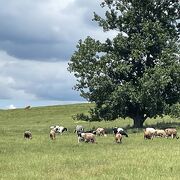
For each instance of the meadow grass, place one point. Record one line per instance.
(41, 158)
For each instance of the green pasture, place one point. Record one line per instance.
(42, 158)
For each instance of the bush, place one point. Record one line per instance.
(81, 116)
(175, 110)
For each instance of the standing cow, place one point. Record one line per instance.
(119, 130)
(88, 137)
(118, 138)
(59, 129)
(52, 134)
(171, 132)
(100, 132)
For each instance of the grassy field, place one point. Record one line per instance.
(41, 158)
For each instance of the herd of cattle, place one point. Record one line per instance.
(150, 133)
(89, 136)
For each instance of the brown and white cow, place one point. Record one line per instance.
(86, 137)
(118, 138)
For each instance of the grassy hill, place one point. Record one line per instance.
(64, 158)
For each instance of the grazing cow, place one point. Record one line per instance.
(148, 135)
(160, 133)
(171, 132)
(27, 107)
(27, 135)
(79, 128)
(87, 137)
(118, 138)
(151, 131)
(119, 130)
(52, 134)
(59, 129)
(100, 131)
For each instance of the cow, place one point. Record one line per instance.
(171, 132)
(86, 137)
(100, 132)
(118, 138)
(27, 135)
(160, 133)
(148, 135)
(52, 134)
(119, 130)
(78, 129)
(59, 129)
(151, 131)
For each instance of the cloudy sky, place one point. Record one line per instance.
(37, 39)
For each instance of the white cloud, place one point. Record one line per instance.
(30, 79)
(46, 29)
(11, 107)
(37, 38)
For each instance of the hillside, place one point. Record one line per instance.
(64, 158)
(43, 117)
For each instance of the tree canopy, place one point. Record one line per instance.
(136, 74)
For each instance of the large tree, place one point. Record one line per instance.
(136, 74)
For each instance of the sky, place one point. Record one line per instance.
(37, 40)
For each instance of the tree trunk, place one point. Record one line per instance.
(138, 121)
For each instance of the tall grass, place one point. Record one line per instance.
(64, 158)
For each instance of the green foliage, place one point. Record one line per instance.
(175, 110)
(137, 73)
(81, 116)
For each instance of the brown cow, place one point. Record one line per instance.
(171, 132)
(118, 138)
(88, 137)
(52, 134)
(100, 131)
(148, 135)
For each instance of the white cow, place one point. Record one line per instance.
(151, 131)
(79, 128)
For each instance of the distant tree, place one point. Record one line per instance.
(137, 73)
